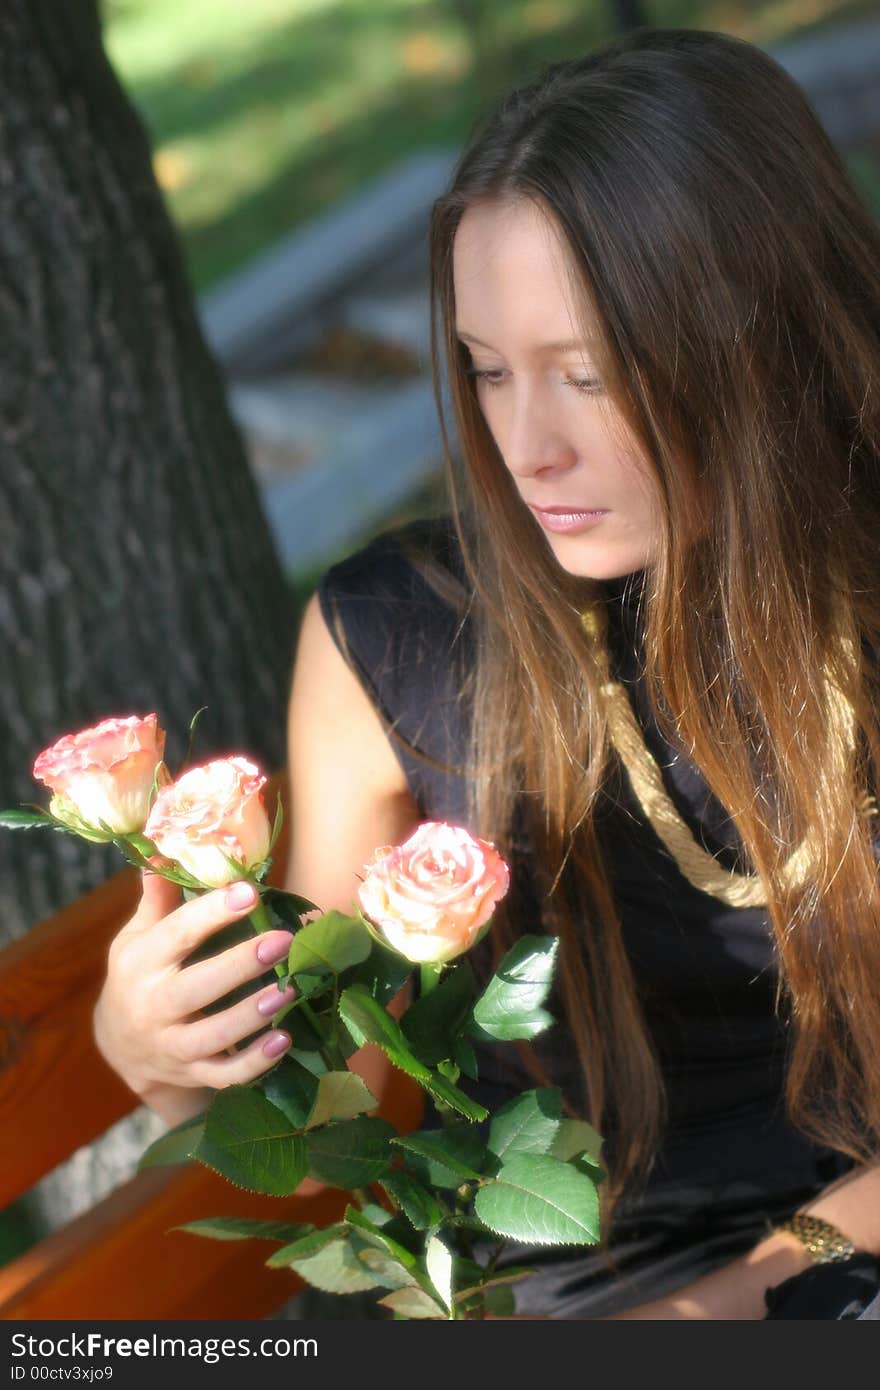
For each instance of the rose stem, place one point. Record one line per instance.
(329, 1049)
(429, 977)
(260, 921)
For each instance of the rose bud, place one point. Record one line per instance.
(105, 774)
(432, 897)
(209, 812)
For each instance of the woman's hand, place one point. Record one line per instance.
(148, 1021)
(736, 1290)
(349, 795)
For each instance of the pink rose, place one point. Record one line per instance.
(105, 774)
(209, 812)
(433, 897)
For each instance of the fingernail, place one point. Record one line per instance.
(275, 1044)
(240, 895)
(271, 1002)
(273, 950)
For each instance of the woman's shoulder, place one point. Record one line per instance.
(406, 584)
(398, 610)
(414, 558)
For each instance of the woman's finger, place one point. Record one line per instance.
(244, 1066)
(158, 898)
(203, 1038)
(205, 981)
(178, 933)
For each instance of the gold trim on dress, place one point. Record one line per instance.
(698, 866)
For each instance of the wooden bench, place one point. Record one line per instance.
(121, 1259)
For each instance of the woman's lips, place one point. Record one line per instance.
(564, 519)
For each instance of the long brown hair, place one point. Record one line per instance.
(734, 274)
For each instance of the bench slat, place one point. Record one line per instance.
(123, 1260)
(56, 1091)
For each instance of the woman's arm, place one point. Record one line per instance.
(348, 794)
(736, 1290)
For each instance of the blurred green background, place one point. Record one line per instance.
(264, 112)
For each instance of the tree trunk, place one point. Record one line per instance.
(138, 572)
(137, 569)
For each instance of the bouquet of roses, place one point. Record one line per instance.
(431, 1211)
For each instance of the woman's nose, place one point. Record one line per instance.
(534, 441)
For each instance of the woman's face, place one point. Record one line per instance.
(564, 443)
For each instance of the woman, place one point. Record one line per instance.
(641, 656)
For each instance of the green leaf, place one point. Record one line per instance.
(383, 973)
(367, 1021)
(510, 1005)
(177, 1145)
(341, 1095)
(438, 1262)
(292, 1088)
(24, 820)
(413, 1303)
(388, 1272)
(418, 1205)
(465, 1057)
(431, 1024)
(443, 1090)
(352, 1153)
(330, 1264)
(540, 1200)
(252, 1143)
(378, 1215)
(245, 1228)
(307, 1244)
(259, 870)
(308, 983)
(444, 1157)
(140, 842)
(192, 731)
(287, 908)
(381, 1238)
(594, 1171)
(310, 1061)
(576, 1137)
(277, 822)
(332, 942)
(306, 1043)
(527, 1124)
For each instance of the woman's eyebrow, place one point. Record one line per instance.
(564, 345)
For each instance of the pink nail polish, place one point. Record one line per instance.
(271, 1003)
(275, 1044)
(240, 895)
(273, 950)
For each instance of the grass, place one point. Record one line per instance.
(262, 114)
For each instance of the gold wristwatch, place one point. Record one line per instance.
(825, 1243)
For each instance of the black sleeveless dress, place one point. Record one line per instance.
(730, 1164)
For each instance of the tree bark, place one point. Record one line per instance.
(136, 566)
(137, 572)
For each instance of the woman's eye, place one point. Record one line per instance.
(588, 386)
(490, 378)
